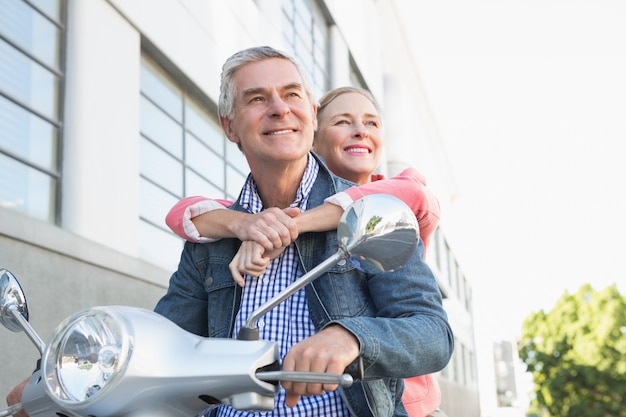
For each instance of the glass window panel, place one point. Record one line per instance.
(195, 137)
(161, 129)
(301, 8)
(24, 134)
(303, 52)
(154, 203)
(30, 30)
(156, 85)
(26, 190)
(319, 66)
(318, 32)
(306, 34)
(27, 136)
(319, 78)
(319, 69)
(303, 24)
(161, 168)
(28, 81)
(288, 30)
(50, 7)
(159, 246)
(234, 182)
(434, 247)
(288, 8)
(319, 52)
(196, 185)
(447, 271)
(204, 161)
(204, 127)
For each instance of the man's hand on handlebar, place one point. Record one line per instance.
(331, 350)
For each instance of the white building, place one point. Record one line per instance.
(107, 118)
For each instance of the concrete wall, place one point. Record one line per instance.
(60, 273)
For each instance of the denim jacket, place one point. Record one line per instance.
(397, 317)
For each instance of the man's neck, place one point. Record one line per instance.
(278, 185)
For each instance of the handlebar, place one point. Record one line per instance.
(353, 372)
(343, 380)
(10, 410)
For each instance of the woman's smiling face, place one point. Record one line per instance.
(349, 137)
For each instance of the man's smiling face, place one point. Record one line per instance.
(274, 118)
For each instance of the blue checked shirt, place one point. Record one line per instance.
(288, 323)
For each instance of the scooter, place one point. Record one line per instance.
(131, 362)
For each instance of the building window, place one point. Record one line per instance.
(444, 266)
(305, 32)
(468, 296)
(458, 279)
(183, 152)
(433, 249)
(31, 76)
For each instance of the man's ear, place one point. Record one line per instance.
(228, 131)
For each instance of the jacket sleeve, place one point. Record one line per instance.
(410, 187)
(179, 217)
(185, 302)
(407, 333)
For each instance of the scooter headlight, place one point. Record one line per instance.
(88, 354)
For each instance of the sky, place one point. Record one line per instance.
(530, 100)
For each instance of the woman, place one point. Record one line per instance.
(349, 139)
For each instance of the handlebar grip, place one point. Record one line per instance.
(355, 369)
(10, 410)
(343, 380)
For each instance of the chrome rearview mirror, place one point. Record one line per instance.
(377, 233)
(14, 310)
(12, 298)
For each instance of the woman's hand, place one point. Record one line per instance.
(251, 259)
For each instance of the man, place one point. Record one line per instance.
(393, 321)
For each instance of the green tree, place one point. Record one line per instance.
(576, 354)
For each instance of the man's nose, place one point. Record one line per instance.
(278, 107)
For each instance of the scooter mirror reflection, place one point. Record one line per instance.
(379, 233)
(11, 298)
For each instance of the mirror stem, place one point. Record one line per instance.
(250, 332)
(30, 332)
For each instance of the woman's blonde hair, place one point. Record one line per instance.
(333, 94)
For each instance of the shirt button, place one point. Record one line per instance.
(208, 282)
(341, 262)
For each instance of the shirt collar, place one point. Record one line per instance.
(251, 201)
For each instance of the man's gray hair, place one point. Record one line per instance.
(226, 104)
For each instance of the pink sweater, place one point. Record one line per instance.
(422, 394)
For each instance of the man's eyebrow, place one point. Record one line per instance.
(252, 91)
(260, 90)
(292, 86)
